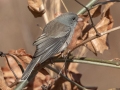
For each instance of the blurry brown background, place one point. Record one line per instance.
(18, 29)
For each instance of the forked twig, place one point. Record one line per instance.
(10, 67)
(97, 33)
(94, 37)
(19, 64)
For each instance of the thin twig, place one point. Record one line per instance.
(97, 33)
(64, 6)
(41, 28)
(94, 37)
(11, 67)
(54, 70)
(19, 64)
(111, 30)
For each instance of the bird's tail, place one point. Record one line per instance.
(30, 68)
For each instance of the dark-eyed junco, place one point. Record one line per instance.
(56, 36)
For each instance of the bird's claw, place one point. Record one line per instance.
(65, 54)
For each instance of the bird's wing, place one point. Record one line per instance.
(46, 46)
(53, 29)
(44, 51)
(51, 46)
(51, 40)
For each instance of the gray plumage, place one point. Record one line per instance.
(55, 38)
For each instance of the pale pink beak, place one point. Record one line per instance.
(80, 19)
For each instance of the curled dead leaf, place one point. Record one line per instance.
(100, 44)
(42, 78)
(106, 22)
(3, 85)
(35, 7)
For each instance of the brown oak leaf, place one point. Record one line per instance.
(42, 78)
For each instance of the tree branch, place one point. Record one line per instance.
(54, 70)
(105, 2)
(89, 6)
(94, 37)
(108, 63)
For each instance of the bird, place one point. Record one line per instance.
(54, 39)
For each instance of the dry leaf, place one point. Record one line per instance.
(3, 85)
(42, 78)
(62, 84)
(91, 47)
(105, 23)
(96, 11)
(22, 55)
(100, 44)
(80, 35)
(35, 7)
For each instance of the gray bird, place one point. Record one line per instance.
(55, 37)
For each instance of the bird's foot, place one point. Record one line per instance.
(65, 54)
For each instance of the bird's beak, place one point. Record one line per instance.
(80, 19)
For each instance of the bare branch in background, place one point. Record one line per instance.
(64, 6)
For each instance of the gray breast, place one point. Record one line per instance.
(68, 40)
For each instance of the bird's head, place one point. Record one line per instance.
(68, 19)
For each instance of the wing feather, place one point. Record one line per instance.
(48, 44)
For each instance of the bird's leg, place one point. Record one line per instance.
(65, 55)
(97, 33)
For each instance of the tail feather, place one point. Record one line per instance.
(30, 68)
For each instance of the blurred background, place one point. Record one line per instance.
(19, 29)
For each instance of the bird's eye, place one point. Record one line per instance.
(73, 18)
